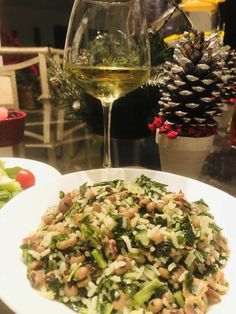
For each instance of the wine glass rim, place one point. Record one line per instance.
(111, 2)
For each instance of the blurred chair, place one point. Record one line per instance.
(46, 127)
(8, 90)
(9, 100)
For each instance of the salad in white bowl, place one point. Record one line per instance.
(18, 174)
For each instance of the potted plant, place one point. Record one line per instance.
(12, 127)
(28, 87)
(189, 103)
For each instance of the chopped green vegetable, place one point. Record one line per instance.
(202, 206)
(8, 186)
(99, 258)
(161, 290)
(12, 186)
(150, 185)
(73, 272)
(163, 249)
(187, 229)
(147, 291)
(130, 289)
(11, 172)
(105, 283)
(104, 308)
(188, 281)
(90, 235)
(78, 307)
(107, 308)
(178, 296)
(83, 188)
(55, 286)
(115, 295)
(159, 220)
(61, 194)
(112, 183)
(26, 256)
(72, 210)
(142, 238)
(215, 227)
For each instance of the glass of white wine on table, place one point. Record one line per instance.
(108, 53)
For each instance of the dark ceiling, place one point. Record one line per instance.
(39, 3)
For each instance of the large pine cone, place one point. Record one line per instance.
(191, 83)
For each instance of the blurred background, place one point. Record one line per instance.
(44, 23)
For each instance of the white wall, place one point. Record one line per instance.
(24, 19)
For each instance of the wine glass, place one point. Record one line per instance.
(107, 50)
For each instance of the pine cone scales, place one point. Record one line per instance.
(190, 86)
(228, 92)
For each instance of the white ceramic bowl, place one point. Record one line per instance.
(23, 213)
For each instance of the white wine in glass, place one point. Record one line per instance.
(107, 50)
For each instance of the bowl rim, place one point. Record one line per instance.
(20, 115)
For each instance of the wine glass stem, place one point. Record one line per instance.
(107, 107)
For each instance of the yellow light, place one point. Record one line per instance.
(199, 5)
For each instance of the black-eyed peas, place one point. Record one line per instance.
(155, 305)
(83, 283)
(34, 239)
(65, 203)
(70, 290)
(123, 269)
(82, 273)
(164, 273)
(110, 249)
(38, 248)
(36, 265)
(90, 194)
(160, 204)
(168, 296)
(196, 222)
(112, 198)
(157, 237)
(36, 278)
(173, 252)
(48, 219)
(65, 244)
(128, 212)
(120, 303)
(123, 194)
(77, 259)
(151, 206)
(97, 207)
(144, 201)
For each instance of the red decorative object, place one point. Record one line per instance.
(12, 129)
(232, 129)
(172, 131)
(232, 101)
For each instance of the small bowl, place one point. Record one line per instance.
(12, 129)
